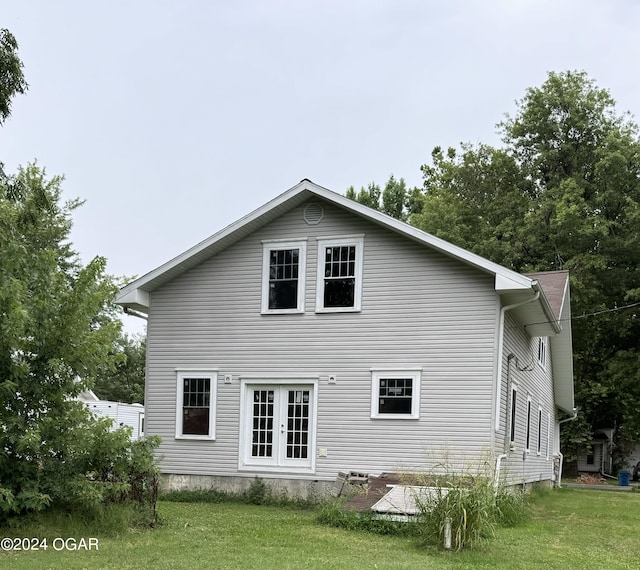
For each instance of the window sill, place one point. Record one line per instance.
(338, 310)
(282, 312)
(196, 437)
(275, 469)
(395, 417)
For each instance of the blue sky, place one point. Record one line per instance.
(174, 119)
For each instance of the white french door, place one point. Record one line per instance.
(279, 425)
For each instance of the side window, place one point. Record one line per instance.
(539, 447)
(196, 405)
(528, 437)
(395, 394)
(542, 351)
(512, 419)
(339, 279)
(548, 435)
(283, 272)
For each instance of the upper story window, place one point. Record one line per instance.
(339, 284)
(395, 394)
(283, 272)
(196, 404)
(542, 351)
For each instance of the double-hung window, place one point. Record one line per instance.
(528, 436)
(542, 351)
(395, 394)
(196, 404)
(539, 447)
(512, 416)
(283, 271)
(339, 280)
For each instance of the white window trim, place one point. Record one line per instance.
(267, 247)
(244, 461)
(324, 242)
(212, 375)
(378, 373)
(527, 436)
(543, 348)
(512, 416)
(539, 434)
(548, 435)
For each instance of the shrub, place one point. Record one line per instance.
(89, 467)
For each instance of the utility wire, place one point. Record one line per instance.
(584, 316)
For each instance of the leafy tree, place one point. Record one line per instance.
(57, 332)
(58, 326)
(563, 192)
(126, 382)
(393, 200)
(12, 80)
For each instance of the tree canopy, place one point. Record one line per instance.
(563, 192)
(58, 330)
(12, 79)
(125, 383)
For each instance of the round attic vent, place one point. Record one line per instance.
(313, 214)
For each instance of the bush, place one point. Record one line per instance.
(86, 467)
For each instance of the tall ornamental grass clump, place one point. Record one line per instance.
(460, 510)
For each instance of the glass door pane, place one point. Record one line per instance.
(297, 433)
(262, 420)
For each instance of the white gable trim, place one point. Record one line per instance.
(135, 294)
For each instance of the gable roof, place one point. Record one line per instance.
(554, 284)
(549, 290)
(135, 294)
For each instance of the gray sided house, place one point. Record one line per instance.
(316, 336)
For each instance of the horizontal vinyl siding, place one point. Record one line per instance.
(419, 309)
(536, 382)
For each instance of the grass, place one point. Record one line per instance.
(570, 528)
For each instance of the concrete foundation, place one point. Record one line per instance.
(294, 488)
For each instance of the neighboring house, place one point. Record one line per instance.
(633, 458)
(597, 458)
(131, 415)
(316, 335)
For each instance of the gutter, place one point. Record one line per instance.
(504, 453)
(134, 313)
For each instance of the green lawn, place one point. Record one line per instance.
(571, 528)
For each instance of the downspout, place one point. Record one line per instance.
(498, 382)
(575, 415)
(135, 313)
(505, 444)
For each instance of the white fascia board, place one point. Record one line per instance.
(546, 307)
(505, 278)
(511, 281)
(142, 282)
(134, 298)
